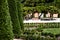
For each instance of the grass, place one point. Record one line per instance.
(52, 30)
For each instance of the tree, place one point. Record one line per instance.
(14, 17)
(5, 22)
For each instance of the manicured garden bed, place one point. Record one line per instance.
(44, 31)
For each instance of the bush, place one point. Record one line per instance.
(14, 17)
(39, 29)
(49, 25)
(43, 25)
(34, 35)
(5, 22)
(20, 14)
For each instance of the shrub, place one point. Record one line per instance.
(5, 22)
(14, 17)
(20, 14)
(49, 25)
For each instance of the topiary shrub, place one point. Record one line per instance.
(14, 17)
(5, 22)
(20, 14)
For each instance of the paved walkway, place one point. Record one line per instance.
(42, 21)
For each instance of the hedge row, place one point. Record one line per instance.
(50, 25)
(20, 13)
(43, 25)
(16, 16)
(5, 22)
(9, 11)
(34, 35)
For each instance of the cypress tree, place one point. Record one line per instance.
(14, 17)
(5, 22)
(20, 13)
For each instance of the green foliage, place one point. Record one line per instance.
(33, 3)
(52, 9)
(40, 5)
(50, 25)
(20, 13)
(14, 17)
(35, 35)
(54, 31)
(47, 29)
(40, 8)
(5, 22)
(43, 25)
(27, 10)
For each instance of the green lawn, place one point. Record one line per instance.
(52, 30)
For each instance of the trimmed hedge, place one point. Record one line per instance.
(50, 25)
(5, 22)
(43, 25)
(34, 35)
(20, 14)
(14, 17)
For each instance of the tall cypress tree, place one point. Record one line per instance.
(5, 22)
(14, 17)
(20, 13)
